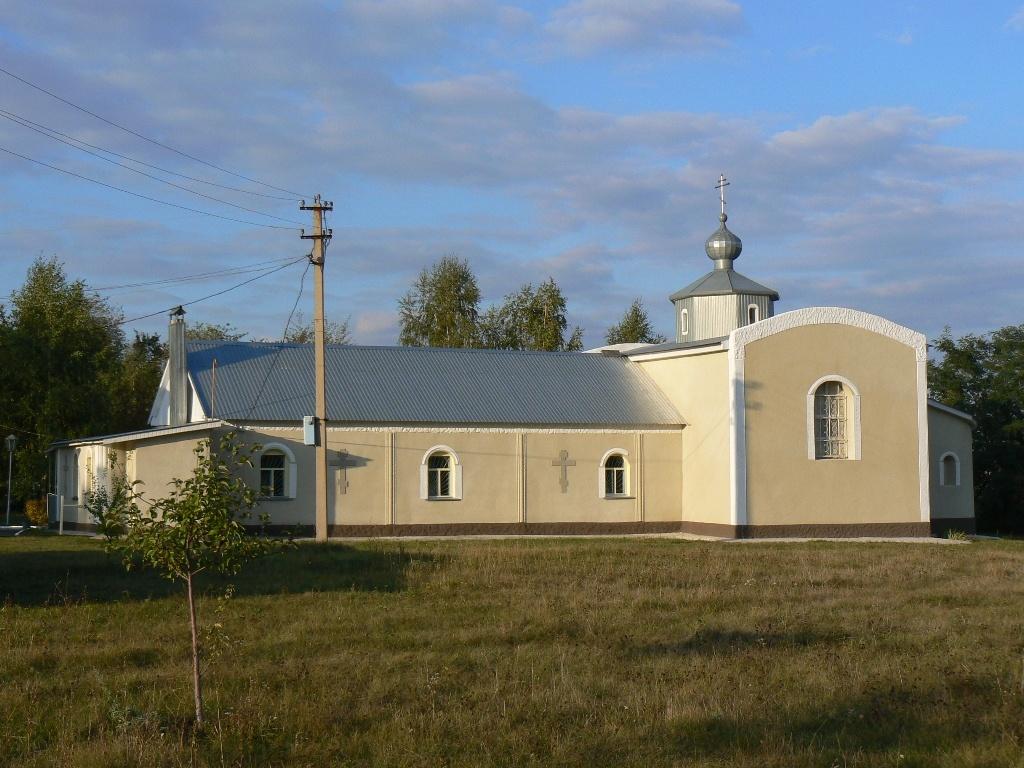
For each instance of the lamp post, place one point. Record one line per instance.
(11, 442)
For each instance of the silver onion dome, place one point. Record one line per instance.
(723, 246)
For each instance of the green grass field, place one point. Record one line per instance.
(605, 652)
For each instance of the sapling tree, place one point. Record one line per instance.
(198, 527)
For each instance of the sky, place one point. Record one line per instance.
(875, 152)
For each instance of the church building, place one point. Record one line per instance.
(813, 422)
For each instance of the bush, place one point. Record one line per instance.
(36, 512)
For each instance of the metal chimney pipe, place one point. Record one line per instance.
(177, 369)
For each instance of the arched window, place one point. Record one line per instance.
(753, 313)
(684, 322)
(613, 474)
(278, 479)
(440, 474)
(272, 474)
(949, 470)
(833, 419)
(830, 421)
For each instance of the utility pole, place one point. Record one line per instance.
(320, 238)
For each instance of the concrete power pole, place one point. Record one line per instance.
(320, 238)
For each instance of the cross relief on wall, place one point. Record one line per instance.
(341, 463)
(564, 462)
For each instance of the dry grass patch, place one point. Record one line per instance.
(607, 652)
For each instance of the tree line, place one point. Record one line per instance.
(69, 370)
(983, 375)
(442, 309)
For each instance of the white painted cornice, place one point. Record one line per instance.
(798, 318)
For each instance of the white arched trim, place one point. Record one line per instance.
(456, 476)
(757, 313)
(291, 479)
(787, 321)
(853, 435)
(627, 485)
(738, 341)
(942, 469)
(684, 322)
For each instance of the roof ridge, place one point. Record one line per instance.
(422, 349)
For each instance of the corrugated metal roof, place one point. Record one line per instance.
(138, 434)
(672, 346)
(719, 282)
(274, 382)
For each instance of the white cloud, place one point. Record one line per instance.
(589, 26)
(871, 208)
(1016, 21)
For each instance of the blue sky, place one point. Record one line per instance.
(875, 150)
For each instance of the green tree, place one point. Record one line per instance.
(506, 326)
(197, 528)
(132, 390)
(442, 307)
(61, 354)
(531, 318)
(984, 376)
(634, 327)
(214, 332)
(335, 332)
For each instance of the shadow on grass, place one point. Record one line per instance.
(718, 642)
(886, 720)
(60, 575)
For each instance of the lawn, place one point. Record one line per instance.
(602, 652)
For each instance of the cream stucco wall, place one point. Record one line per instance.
(498, 466)
(489, 487)
(698, 386)
(158, 462)
(950, 433)
(784, 486)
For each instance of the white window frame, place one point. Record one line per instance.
(942, 470)
(684, 322)
(291, 479)
(757, 313)
(853, 452)
(627, 480)
(455, 484)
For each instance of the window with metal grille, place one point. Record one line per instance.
(830, 424)
(439, 476)
(272, 469)
(615, 476)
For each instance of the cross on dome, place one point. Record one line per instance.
(720, 186)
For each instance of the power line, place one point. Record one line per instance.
(257, 267)
(212, 295)
(140, 195)
(25, 121)
(19, 429)
(284, 335)
(149, 175)
(145, 138)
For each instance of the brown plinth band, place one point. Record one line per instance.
(503, 529)
(941, 526)
(809, 530)
(719, 530)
